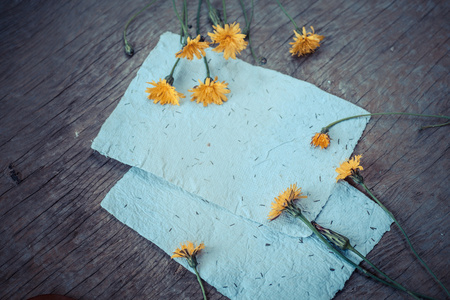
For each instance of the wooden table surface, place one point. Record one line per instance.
(63, 71)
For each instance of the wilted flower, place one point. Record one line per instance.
(351, 168)
(229, 38)
(189, 252)
(285, 201)
(164, 93)
(193, 47)
(321, 139)
(209, 92)
(305, 43)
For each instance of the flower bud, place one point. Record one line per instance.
(169, 79)
(335, 238)
(129, 49)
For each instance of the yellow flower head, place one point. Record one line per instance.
(210, 92)
(349, 167)
(305, 43)
(193, 47)
(230, 40)
(189, 252)
(320, 139)
(163, 93)
(285, 201)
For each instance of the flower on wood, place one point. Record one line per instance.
(305, 43)
(163, 92)
(350, 168)
(229, 38)
(212, 91)
(321, 140)
(193, 47)
(285, 201)
(188, 251)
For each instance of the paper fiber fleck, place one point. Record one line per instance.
(238, 155)
(244, 259)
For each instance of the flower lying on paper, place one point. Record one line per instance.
(285, 201)
(193, 47)
(189, 252)
(163, 92)
(212, 91)
(350, 168)
(305, 43)
(229, 38)
(321, 140)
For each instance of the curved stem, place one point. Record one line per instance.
(224, 12)
(130, 20)
(406, 237)
(287, 15)
(174, 66)
(207, 66)
(327, 243)
(200, 282)
(382, 114)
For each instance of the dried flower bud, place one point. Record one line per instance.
(192, 261)
(335, 238)
(357, 177)
(129, 49)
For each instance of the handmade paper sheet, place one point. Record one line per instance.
(238, 155)
(245, 259)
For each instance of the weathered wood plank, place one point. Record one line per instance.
(64, 71)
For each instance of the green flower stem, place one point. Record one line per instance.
(198, 16)
(247, 28)
(209, 5)
(200, 282)
(207, 66)
(224, 12)
(413, 294)
(287, 15)
(365, 272)
(185, 14)
(406, 237)
(326, 128)
(173, 68)
(128, 48)
(185, 20)
(184, 28)
(433, 126)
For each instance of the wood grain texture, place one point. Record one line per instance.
(63, 72)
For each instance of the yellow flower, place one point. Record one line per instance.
(230, 40)
(305, 43)
(210, 92)
(320, 139)
(189, 252)
(285, 201)
(193, 47)
(163, 93)
(349, 167)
